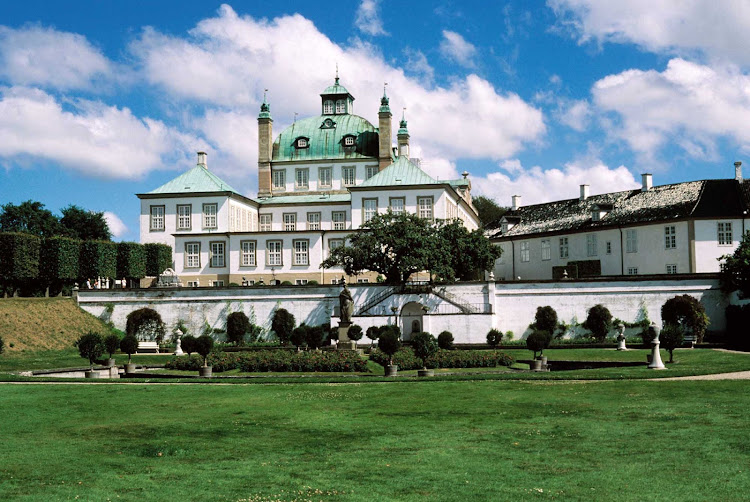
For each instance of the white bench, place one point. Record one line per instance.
(148, 347)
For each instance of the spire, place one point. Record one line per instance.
(337, 75)
(402, 125)
(265, 108)
(384, 106)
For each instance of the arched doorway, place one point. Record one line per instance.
(411, 320)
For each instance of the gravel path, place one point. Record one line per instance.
(737, 375)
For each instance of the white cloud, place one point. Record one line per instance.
(228, 60)
(115, 224)
(416, 64)
(94, 139)
(50, 58)
(368, 18)
(688, 104)
(455, 48)
(536, 185)
(717, 29)
(575, 114)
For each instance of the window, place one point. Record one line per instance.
(370, 207)
(339, 220)
(301, 252)
(424, 207)
(724, 230)
(504, 227)
(632, 270)
(397, 205)
(209, 215)
(313, 221)
(247, 253)
(591, 245)
(563, 247)
(670, 237)
(157, 219)
(217, 254)
(631, 241)
(302, 143)
(183, 216)
(370, 171)
(349, 140)
(595, 216)
(333, 244)
(340, 106)
(217, 284)
(192, 254)
(672, 269)
(347, 176)
(546, 249)
(301, 178)
(525, 251)
(273, 255)
(608, 245)
(290, 221)
(324, 177)
(300, 282)
(327, 107)
(279, 180)
(193, 284)
(265, 222)
(364, 280)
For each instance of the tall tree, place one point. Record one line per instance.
(85, 225)
(490, 211)
(461, 253)
(735, 270)
(29, 217)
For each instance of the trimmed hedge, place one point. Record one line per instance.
(19, 256)
(58, 258)
(98, 259)
(131, 260)
(406, 360)
(158, 258)
(274, 360)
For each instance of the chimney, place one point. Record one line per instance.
(738, 171)
(516, 202)
(202, 160)
(646, 182)
(584, 192)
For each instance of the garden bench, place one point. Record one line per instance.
(148, 347)
(691, 339)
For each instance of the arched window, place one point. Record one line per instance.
(302, 143)
(348, 140)
(327, 107)
(341, 106)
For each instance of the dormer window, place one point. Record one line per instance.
(327, 107)
(596, 215)
(504, 227)
(349, 140)
(302, 143)
(340, 106)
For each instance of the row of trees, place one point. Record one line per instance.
(31, 217)
(35, 264)
(399, 245)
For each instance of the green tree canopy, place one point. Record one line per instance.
(85, 225)
(735, 269)
(29, 217)
(490, 211)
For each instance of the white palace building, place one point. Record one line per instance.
(319, 180)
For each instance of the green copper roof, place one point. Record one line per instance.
(307, 199)
(265, 109)
(327, 142)
(198, 179)
(336, 88)
(384, 106)
(401, 172)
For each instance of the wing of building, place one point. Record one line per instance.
(682, 228)
(319, 180)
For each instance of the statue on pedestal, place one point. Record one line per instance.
(346, 306)
(621, 337)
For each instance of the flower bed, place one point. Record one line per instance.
(406, 360)
(274, 360)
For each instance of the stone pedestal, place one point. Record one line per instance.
(621, 345)
(178, 347)
(656, 363)
(114, 372)
(344, 342)
(92, 374)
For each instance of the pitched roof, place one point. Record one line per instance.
(400, 172)
(307, 199)
(707, 198)
(198, 179)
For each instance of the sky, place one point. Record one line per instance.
(102, 100)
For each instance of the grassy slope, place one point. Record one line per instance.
(627, 440)
(40, 324)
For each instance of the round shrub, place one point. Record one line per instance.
(494, 337)
(424, 345)
(389, 343)
(445, 340)
(299, 335)
(599, 322)
(111, 344)
(546, 319)
(203, 346)
(671, 337)
(312, 283)
(90, 346)
(237, 325)
(145, 323)
(355, 332)
(188, 344)
(687, 312)
(129, 345)
(373, 333)
(286, 283)
(283, 324)
(315, 337)
(537, 341)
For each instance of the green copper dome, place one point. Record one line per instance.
(325, 139)
(336, 89)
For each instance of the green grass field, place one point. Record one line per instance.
(437, 440)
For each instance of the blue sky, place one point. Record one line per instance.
(103, 100)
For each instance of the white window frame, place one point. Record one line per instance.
(348, 176)
(592, 245)
(156, 218)
(290, 222)
(525, 251)
(564, 248)
(671, 268)
(328, 107)
(333, 244)
(274, 253)
(339, 220)
(324, 177)
(364, 280)
(632, 271)
(210, 215)
(301, 252)
(369, 209)
(300, 282)
(278, 181)
(425, 207)
(670, 237)
(302, 143)
(217, 254)
(184, 216)
(340, 106)
(724, 233)
(370, 171)
(302, 179)
(313, 221)
(265, 221)
(349, 140)
(608, 247)
(546, 249)
(397, 204)
(192, 255)
(248, 254)
(631, 241)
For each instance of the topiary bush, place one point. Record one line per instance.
(494, 337)
(129, 346)
(671, 337)
(537, 341)
(111, 344)
(283, 324)
(188, 344)
(373, 333)
(203, 346)
(389, 343)
(445, 340)
(546, 319)
(90, 346)
(299, 335)
(404, 358)
(687, 312)
(355, 333)
(145, 324)
(599, 322)
(315, 337)
(424, 345)
(237, 325)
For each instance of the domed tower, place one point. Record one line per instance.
(403, 137)
(337, 100)
(384, 131)
(265, 144)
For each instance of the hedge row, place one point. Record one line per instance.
(274, 360)
(406, 360)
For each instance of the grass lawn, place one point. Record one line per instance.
(437, 440)
(67, 358)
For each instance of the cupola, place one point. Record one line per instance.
(336, 100)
